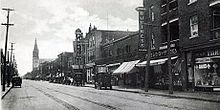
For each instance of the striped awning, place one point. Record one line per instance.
(126, 67)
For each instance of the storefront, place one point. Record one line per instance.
(159, 77)
(89, 72)
(127, 74)
(206, 69)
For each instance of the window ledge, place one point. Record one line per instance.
(191, 3)
(192, 37)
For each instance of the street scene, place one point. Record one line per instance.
(41, 95)
(110, 55)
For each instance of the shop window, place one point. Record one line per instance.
(207, 74)
(194, 26)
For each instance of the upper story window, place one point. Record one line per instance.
(194, 26)
(128, 48)
(215, 24)
(152, 41)
(151, 13)
(192, 1)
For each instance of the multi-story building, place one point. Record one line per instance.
(194, 36)
(120, 57)
(199, 26)
(156, 25)
(95, 39)
(65, 64)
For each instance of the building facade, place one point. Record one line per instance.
(194, 36)
(96, 38)
(200, 44)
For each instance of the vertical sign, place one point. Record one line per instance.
(142, 46)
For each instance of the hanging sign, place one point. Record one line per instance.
(142, 46)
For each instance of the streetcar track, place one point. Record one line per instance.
(103, 94)
(65, 104)
(85, 99)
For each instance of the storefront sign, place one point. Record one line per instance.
(142, 46)
(209, 53)
(160, 53)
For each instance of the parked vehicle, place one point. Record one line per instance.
(102, 78)
(16, 81)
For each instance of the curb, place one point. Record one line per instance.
(167, 95)
(6, 92)
(173, 96)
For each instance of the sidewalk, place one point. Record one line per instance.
(197, 95)
(3, 93)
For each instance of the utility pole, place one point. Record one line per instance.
(168, 50)
(6, 41)
(10, 73)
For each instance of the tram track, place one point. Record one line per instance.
(141, 101)
(69, 106)
(65, 104)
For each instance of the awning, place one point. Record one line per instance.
(154, 62)
(126, 67)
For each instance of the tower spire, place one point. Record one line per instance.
(35, 45)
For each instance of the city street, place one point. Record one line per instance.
(41, 95)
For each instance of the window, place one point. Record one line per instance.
(128, 48)
(194, 26)
(151, 12)
(110, 53)
(152, 41)
(216, 24)
(192, 1)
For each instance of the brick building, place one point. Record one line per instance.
(96, 38)
(194, 34)
(200, 44)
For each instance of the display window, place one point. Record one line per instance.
(207, 72)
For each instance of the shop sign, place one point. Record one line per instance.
(164, 52)
(142, 46)
(209, 53)
(204, 66)
(165, 47)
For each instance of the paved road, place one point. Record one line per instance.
(38, 95)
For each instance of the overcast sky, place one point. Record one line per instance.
(53, 23)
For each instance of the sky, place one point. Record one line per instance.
(53, 24)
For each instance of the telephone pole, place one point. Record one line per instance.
(168, 49)
(6, 41)
(10, 73)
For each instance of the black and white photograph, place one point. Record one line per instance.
(110, 54)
